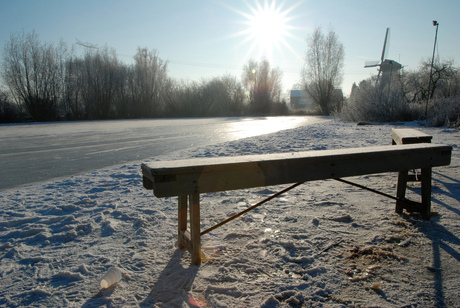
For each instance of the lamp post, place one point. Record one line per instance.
(436, 24)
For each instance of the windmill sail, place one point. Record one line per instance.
(371, 63)
(385, 46)
(385, 66)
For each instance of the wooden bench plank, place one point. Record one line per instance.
(196, 176)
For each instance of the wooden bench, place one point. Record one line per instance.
(189, 178)
(409, 136)
(400, 136)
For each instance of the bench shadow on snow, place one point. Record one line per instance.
(440, 237)
(453, 190)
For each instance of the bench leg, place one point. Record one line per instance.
(426, 193)
(182, 219)
(195, 236)
(424, 208)
(190, 240)
(401, 190)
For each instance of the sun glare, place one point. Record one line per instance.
(266, 27)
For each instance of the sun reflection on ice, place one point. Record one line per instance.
(251, 127)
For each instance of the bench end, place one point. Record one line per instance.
(148, 184)
(146, 181)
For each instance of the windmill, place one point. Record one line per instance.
(386, 66)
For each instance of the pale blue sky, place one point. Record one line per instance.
(204, 39)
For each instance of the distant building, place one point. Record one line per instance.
(299, 99)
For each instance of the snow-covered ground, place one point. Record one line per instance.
(324, 244)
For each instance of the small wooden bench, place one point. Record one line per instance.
(189, 178)
(400, 136)
(409, 136)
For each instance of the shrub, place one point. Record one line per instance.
(370, 102)
(9, 112)
(445, 111)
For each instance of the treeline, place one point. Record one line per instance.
(409, 95)
(45, 82)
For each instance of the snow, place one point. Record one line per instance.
(323, 244)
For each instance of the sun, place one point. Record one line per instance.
(266, 27)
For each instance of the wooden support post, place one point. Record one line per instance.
(182, 219)
(426, 193)
(401, 190)
(194, 204)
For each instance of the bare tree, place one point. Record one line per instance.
(73, 102)
(174, 97)
(263, 84)
(34, 73)
(235, 93)
(444, 81)
(102, 77)
(323, 68)
(218, 96)
(221, 96)
(9, 112)
(147, 83)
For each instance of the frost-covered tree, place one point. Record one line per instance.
(323, 69)
(34, 73)
(147, 83)
(444, 81)
(103, 77)
(263, 84)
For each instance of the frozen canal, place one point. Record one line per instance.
(32, 153)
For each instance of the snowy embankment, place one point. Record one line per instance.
(322, 244)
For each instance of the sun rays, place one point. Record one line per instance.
(266, 28)
(267, 25)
